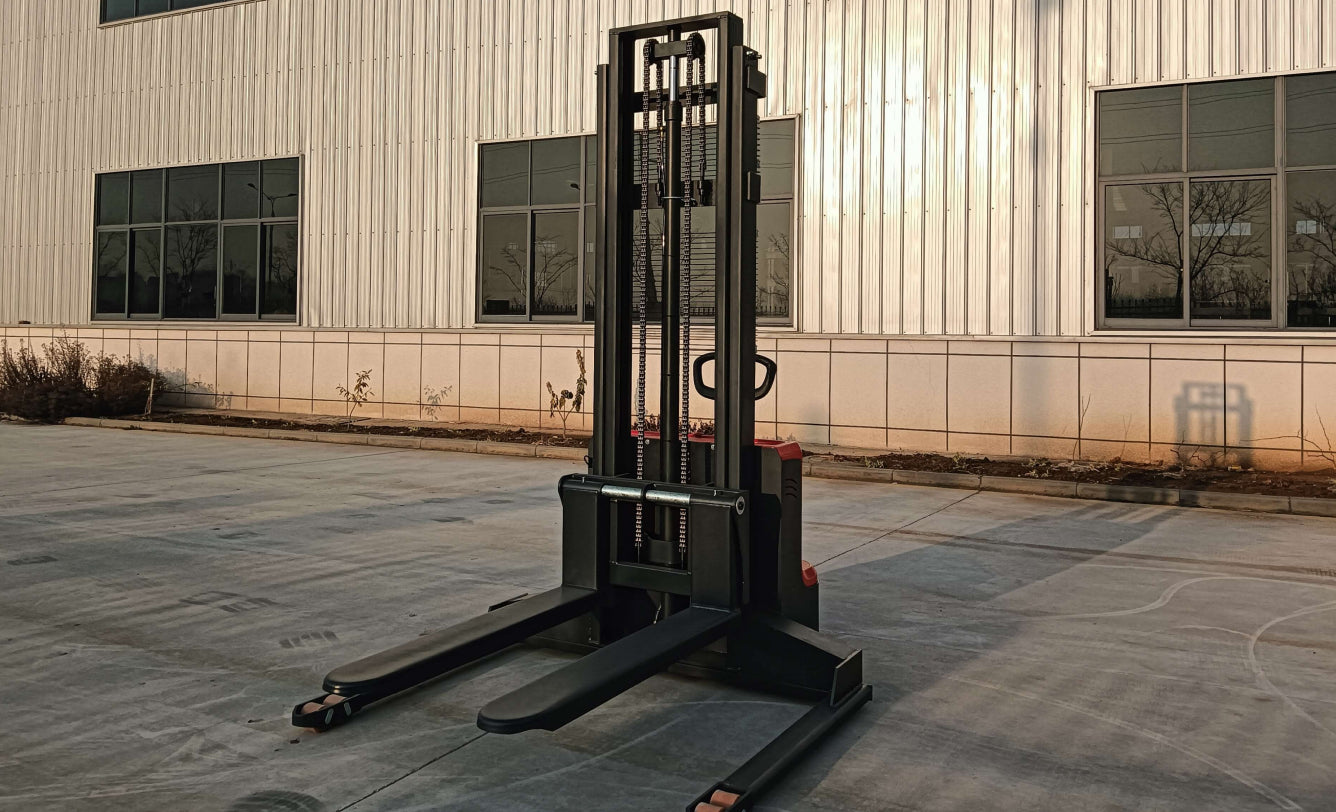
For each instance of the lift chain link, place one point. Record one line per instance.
(642, 254)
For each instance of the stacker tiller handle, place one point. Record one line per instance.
(707, 391)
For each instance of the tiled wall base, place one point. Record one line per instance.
(1262, 404)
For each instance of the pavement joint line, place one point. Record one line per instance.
(904, 526)
(454, 749)
(824, 469)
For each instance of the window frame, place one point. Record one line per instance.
(1277, 174)
(220, 224)
(587, 203)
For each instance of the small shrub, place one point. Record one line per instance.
(68, 381)
(359, 394)
(565, 402)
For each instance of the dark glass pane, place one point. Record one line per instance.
(152, 6)
(146, 196)
(776, 158)
(191, 272)
(280, 270)
(192, 193)
(145, 270)
(241, 258)
(505, 174)
(180, 4)
(1229, 247)
(774, 232)
(1310, 119)
(556, 256)
(113, 204)
(241, 191)
(591, 170)
(1141, 131)
(1143, 254)
(1311, 243)
(112, 262)
(1232, 125)
(117, 10)
(504, 264)
(279, 188)
(590, 272)
(556, 171)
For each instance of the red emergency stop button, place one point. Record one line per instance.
(809, 574)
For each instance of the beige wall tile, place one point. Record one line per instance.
(262, 367)
(1059, 348)
(363, 357)
(1320, 353)
(143, 350)
(917, 346)
(335, 408)
(1187, 402)
(296, 335)
(799, 344)
(479, 337)
(116, 344)
(401, 411)
(1267, 459)
(1106, 450)
(262, 404)
(329, 370)
(1191, 454)
(440, 372)
(519, 377)
(1115, 393)
(916, 392)
(571, 340)
(804, 387)
(979, 347)
(528, 418)
(1264, 404)
(172, 361)
(440, 338)
(522, 338)
(365, 337)
(403, 373)
(1202, 352)
(232, 364)
(1319, 410)
(479, 376)
(1044, 396)
(858, 389)
(440, 414)
(403, 338)
(926, 441)
(1264, 352)
(331, 336)
(1054, 448)
(469, 414)
(858, 437)
(979, 394)
(296, 405)
(803, 433)
(296, 366)
(958, 443)
(202, 365)
(1114, 349)
(847, 345)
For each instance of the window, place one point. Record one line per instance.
(198, 242)
(1217, 204)
(536, 230)
(113, 10)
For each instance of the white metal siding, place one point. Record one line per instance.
(944, 150)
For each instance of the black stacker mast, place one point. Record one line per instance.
(678, 550)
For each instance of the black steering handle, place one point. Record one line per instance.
(708, 392)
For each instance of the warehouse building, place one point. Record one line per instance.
(1098, 228)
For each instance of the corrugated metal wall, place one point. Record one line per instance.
(944, 147)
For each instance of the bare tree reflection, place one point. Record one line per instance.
(1312, 264)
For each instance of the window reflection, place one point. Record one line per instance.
(1141, 131)
(240, 269)
(556, 254)
(556, 171)
(1230, 249)
(192, 193)
(1232, 125)
(504, 263)
(191, 272)
(112, 259)
(145, 271)
(1143, 258)
(280, 270)
(1311, 246)
(1310, 119)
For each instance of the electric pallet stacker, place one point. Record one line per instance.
(677, 550)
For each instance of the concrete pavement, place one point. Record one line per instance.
(165, 599)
